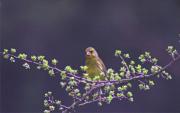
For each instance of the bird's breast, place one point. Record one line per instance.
(92, 65)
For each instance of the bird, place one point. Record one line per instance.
(96, 69)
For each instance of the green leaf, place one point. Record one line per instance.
(151, 83)
(145, 71)
(84, 68)
(22, 56)
(54, 61)
(126, 56)
(147, 55)
(138, 68)
(129, 85)
(68, 69)
(122, 88)
(154, 69)
(51, 72)
(132, 62)
(141, 86)
(5, 51)
(109, 99)
(154, 60)
(129, 94)
(170, 49)
(13, 50)
(120, 95)
(117, 77)
(117, 52)
(33, 58)
(68, 88)
(45, 64)
(41, 58)
(6, 56)
(63, 75)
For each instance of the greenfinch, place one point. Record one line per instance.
(96, 70)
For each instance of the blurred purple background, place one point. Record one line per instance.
(64, 28)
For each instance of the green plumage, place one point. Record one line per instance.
(96, 68)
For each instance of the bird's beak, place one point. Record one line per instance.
(88, 53)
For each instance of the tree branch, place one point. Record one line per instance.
(99, 85)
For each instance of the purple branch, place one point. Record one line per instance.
(97, 84)
(84, 80)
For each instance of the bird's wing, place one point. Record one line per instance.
(101, 66)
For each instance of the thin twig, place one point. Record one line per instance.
(84, 80)
(98, 84)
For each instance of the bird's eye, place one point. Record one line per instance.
(91, 51)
